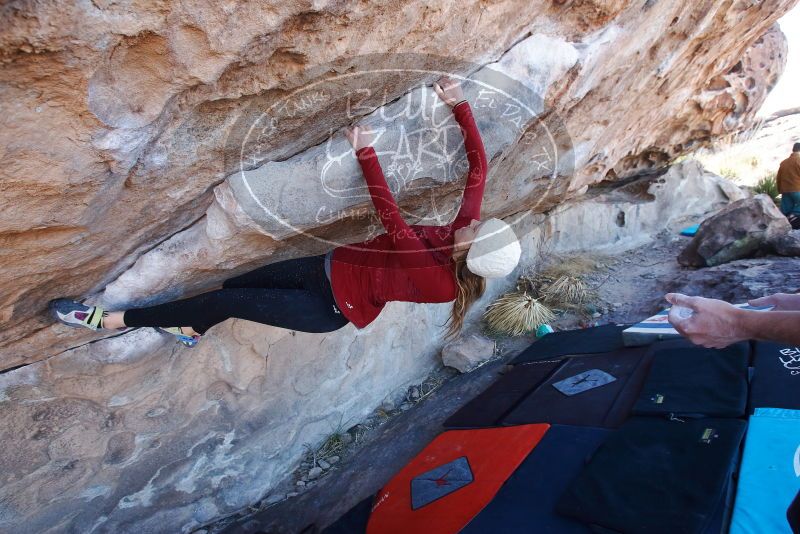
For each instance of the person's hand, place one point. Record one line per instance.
(780, 301)
(359, 136)
(713, 323)
(448, 90)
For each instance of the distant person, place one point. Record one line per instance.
(352, 283)
(788, 181)
(717, 324)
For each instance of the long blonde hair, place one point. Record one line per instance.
(470, 288)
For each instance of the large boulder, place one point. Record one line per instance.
(738, 231)
(739, 281)
(787, 244)
(125, 121)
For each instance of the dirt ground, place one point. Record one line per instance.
(630, 287)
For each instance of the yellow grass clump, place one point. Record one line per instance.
(566, 291)
(561, 283)
(517, 313)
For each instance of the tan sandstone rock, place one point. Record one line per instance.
(121, 138)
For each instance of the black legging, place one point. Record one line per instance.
(293, 294)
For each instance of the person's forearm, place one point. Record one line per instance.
(473, 144)
(382, 198)
(779, 326)
(402, 235)
(476, 155)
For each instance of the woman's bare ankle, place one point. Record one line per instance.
(113, 320)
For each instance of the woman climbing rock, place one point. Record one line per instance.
(352, 283)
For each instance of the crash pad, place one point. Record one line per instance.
(690, 231)
(489, 408)
(451, 480)
(606, 406)
(693, 381)
(656, 476)
(776, 376)
(526, 502)
(593, 340)
(769, 477)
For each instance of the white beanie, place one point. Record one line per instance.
(495, 250)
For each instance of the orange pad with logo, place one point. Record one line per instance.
(452, 479)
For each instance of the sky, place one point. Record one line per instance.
(787, 93)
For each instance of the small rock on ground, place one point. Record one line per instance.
(315, 472)
(273, 499)
(467, 352)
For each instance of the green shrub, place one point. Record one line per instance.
(768, 186)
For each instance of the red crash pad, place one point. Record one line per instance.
(452, 479)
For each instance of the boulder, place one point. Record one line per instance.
(732, 191)
(467, 352)
(124, 130)
(787, 244)
(738, 231)
(738, 281)
(137, 198)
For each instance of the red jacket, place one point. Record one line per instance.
(404, 263)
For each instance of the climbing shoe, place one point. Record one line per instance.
(185, 339)
(75, 314)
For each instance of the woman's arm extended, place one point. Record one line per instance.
(413, 252)
(476, 180)
(403, 237)
(450, 91)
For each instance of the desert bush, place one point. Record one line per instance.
(516, 313)
(767, 185)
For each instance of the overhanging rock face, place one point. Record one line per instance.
(123, 130)
(119, 123)
(419, 140)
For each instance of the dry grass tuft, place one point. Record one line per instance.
(517, 313)
(555, 284)
(560, 281)
(331, 446)
(574, 265)
(566, 292)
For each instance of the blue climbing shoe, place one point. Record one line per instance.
(185, 339)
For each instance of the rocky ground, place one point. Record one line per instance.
(355, 462)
